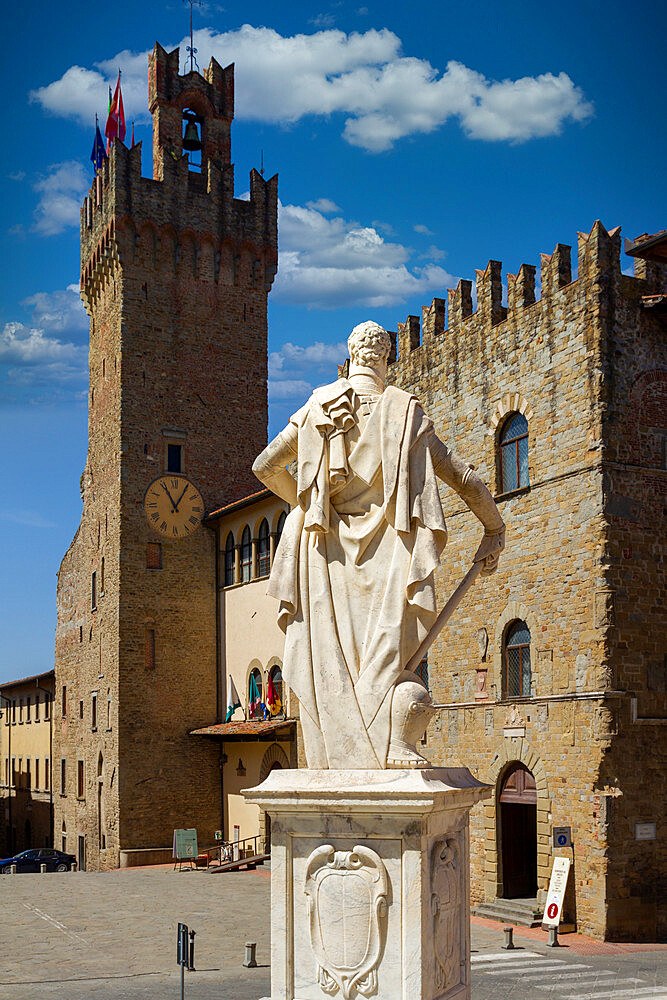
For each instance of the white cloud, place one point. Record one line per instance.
(59, 310)
(20, 175)
(327, 263)
(294, 371)
(44, 353)
(323, 21)
(28, 518)
(325, 205)
(22, 345)
(384, 95)
(60, 192)
(421, 228)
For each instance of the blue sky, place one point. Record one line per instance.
(413, 143)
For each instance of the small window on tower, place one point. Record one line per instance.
(93, 591)
(154, 555)
(149, 649)
(174, 457)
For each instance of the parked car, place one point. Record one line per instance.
(30, 861)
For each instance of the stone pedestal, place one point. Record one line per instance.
(369, 883)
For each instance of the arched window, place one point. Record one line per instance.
(514, 453)
(230, 574)
(263, 550)
(246, 555)
(281, 525)
(255, 705)
(274, 695)
(517, 661)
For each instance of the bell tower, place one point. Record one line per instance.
(175, 274)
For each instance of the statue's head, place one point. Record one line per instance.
(369, 345)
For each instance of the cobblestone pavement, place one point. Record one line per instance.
(112, 936)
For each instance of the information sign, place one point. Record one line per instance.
(562, 836)
(185, 844)
(645, 831)
(553, 910)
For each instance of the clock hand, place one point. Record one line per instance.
(171, 499)
(181, 496)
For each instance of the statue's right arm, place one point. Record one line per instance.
(271, 466)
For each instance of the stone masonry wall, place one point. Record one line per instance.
(550, 359)
(175, 276)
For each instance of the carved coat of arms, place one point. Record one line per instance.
(347, 908)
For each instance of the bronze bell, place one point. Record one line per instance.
(191, 140)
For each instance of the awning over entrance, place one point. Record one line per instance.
(270, 729)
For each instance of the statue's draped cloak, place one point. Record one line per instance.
(354, 568)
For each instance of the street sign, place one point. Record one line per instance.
(553, 910)
(562, 836)
(185, 844)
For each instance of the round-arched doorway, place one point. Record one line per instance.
(518, 832)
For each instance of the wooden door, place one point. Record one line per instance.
(518, 831)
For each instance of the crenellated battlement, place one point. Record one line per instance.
(598, 263)
(182, 219)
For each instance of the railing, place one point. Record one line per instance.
(232, 850)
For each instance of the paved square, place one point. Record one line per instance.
(112, 936)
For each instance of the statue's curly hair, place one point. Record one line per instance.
(368, 343)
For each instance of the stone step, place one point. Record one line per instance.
(528, 908)
(522, 912)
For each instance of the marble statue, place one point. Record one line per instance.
(354, 571)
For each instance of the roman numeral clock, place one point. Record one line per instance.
(173, 505)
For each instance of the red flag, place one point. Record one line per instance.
(132, 135)
(115, 127)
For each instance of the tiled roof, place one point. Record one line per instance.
(650, 246)
(26, 680)
(246, 728)
(239, 504)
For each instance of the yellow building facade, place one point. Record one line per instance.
(26, 753)
(258, 734)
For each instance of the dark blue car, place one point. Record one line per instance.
(30, 861)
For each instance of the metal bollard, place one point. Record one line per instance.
(509, 939)
(553, 941)
(250, 961)
(42, 869)
(12, 869)
(191, 965)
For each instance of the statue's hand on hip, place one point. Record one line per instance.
(489, 551)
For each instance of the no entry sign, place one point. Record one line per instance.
(553, 911)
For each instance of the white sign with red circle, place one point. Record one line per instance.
(557, 884)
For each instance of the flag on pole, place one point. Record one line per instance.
(233, 700)
(98, 156)
(115, 127)
(254, 700)
(273, 698)
(108, 113)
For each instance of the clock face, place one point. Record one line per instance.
(174, 507)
